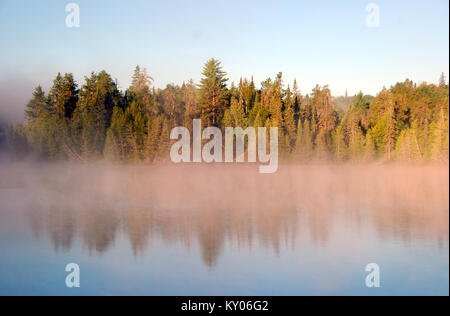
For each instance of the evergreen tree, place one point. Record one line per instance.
(63, 96)
(406, 122)
(141, 80)
(213, 92)
(112, 147)
(36, 105)
(235, 116)
(340, 148)
(289, 121)
(439, 145)
(369, 149)
(389, 136)
(442, 81)
(307, 142)
(98, 97)
(153, 136)
(189, 100)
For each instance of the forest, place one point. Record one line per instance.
(406, 122)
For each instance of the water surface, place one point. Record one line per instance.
(223, 230)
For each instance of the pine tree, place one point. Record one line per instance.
(241, 95)
(276, 103)
(141, 80)
(114, 146)
(322, 151)
(299, 142)
(47, 124)
(139, 135)
(98, 97)
(248, 95)
(258, 115)
(307, 142)
(213, 92)
(369, 149)
(340, 148)
(190, 103)
(164, 141)
(36, 105)
(403, 146)
(389, 136)
(153, 136)
(440, 138)
(289, 122)
(289, 126)
(442, 81)
(63, 96)
(112, 149)
(297, 101)
(356, 145)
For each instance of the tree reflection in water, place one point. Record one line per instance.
(214, 206)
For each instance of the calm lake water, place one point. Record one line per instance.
(223, 230)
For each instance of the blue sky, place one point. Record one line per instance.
(317, 42)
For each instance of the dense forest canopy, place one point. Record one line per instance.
(406, 122)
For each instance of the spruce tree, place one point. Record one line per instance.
(213, 92)
(36, 105)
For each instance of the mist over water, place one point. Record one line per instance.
(224, 229)
(13, 98)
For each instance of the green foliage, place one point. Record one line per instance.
(213, 92)
(63, 96)
(340, 147)
(290, 127)
(235, 116)
(36, 105)
(98, 97)
(405, 122)
(370, 150)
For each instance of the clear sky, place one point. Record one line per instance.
(317, 42)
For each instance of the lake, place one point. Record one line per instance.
(198, 229)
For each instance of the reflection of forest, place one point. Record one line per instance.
(215, 206)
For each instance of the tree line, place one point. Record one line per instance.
(407, 122)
